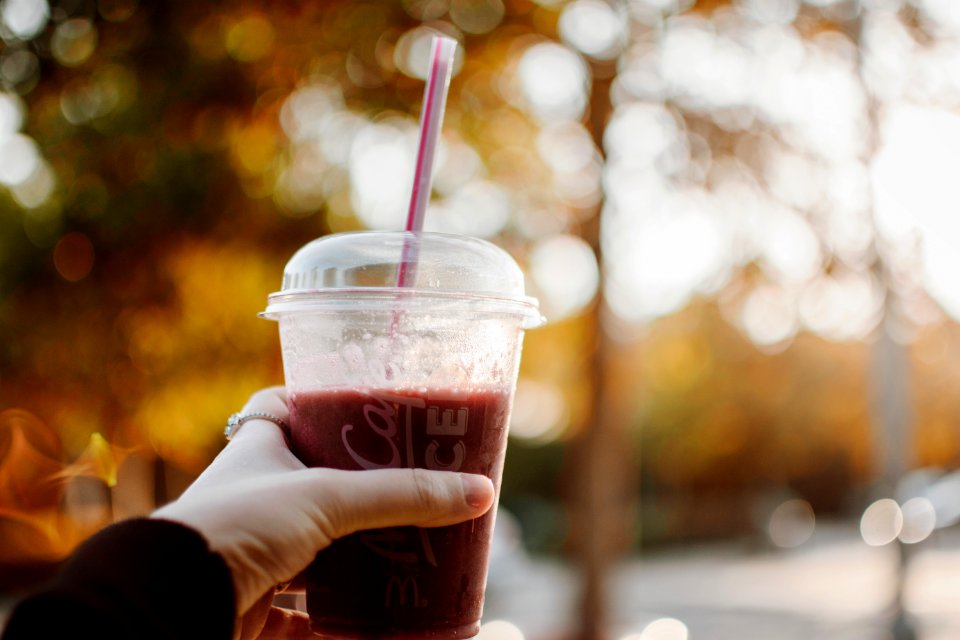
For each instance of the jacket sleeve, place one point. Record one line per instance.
(139, 578)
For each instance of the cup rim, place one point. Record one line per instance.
(299, 301)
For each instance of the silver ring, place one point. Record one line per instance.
(235, 421)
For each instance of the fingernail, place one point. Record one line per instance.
(476, 490)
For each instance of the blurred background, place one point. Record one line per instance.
(741, 219)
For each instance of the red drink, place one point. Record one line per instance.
(402, 582)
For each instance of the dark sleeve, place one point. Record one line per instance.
(135, 579)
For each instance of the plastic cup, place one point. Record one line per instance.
(421, 376)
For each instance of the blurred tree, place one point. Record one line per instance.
(740, 167)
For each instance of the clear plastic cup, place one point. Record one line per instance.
(421, 376)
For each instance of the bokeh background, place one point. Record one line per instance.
(742, 220)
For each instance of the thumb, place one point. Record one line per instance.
(356, 500)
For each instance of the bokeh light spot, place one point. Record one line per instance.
(73, 42)
(73, 256)
(594, 27)
(20, 68)
(480, 208)
(769, 316)
(37, 188)
(565, 274)
(941, 15)
(794, 179)
(661, 629)
(844, 305)
(554, 82)
(566, 146)
(540, 411)
(255, 148)
(307, 112)
(381, 172)
(476, 16)
(459, 164)
(771, 11)
(499, 630)
(301, 185)
(19, 157)
(111, 88)
(11, 113)
(25, 18)
(250, 39)
(639, 134)
(881, 522)
(659, 258)
(412, 53)
(790, 250)
(919, 520)
(791, 524)
(425, 10)
(914, 179)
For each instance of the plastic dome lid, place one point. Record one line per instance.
(361, 270)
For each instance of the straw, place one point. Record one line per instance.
(431, 119)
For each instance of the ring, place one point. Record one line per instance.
(235, 421)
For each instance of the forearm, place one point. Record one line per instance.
(140, 578)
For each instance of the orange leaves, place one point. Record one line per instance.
(30, 459)
(34, 527)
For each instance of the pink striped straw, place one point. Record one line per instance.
(431, 120)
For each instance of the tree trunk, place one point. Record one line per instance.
(598, 457)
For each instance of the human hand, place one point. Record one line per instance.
(268, 515)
